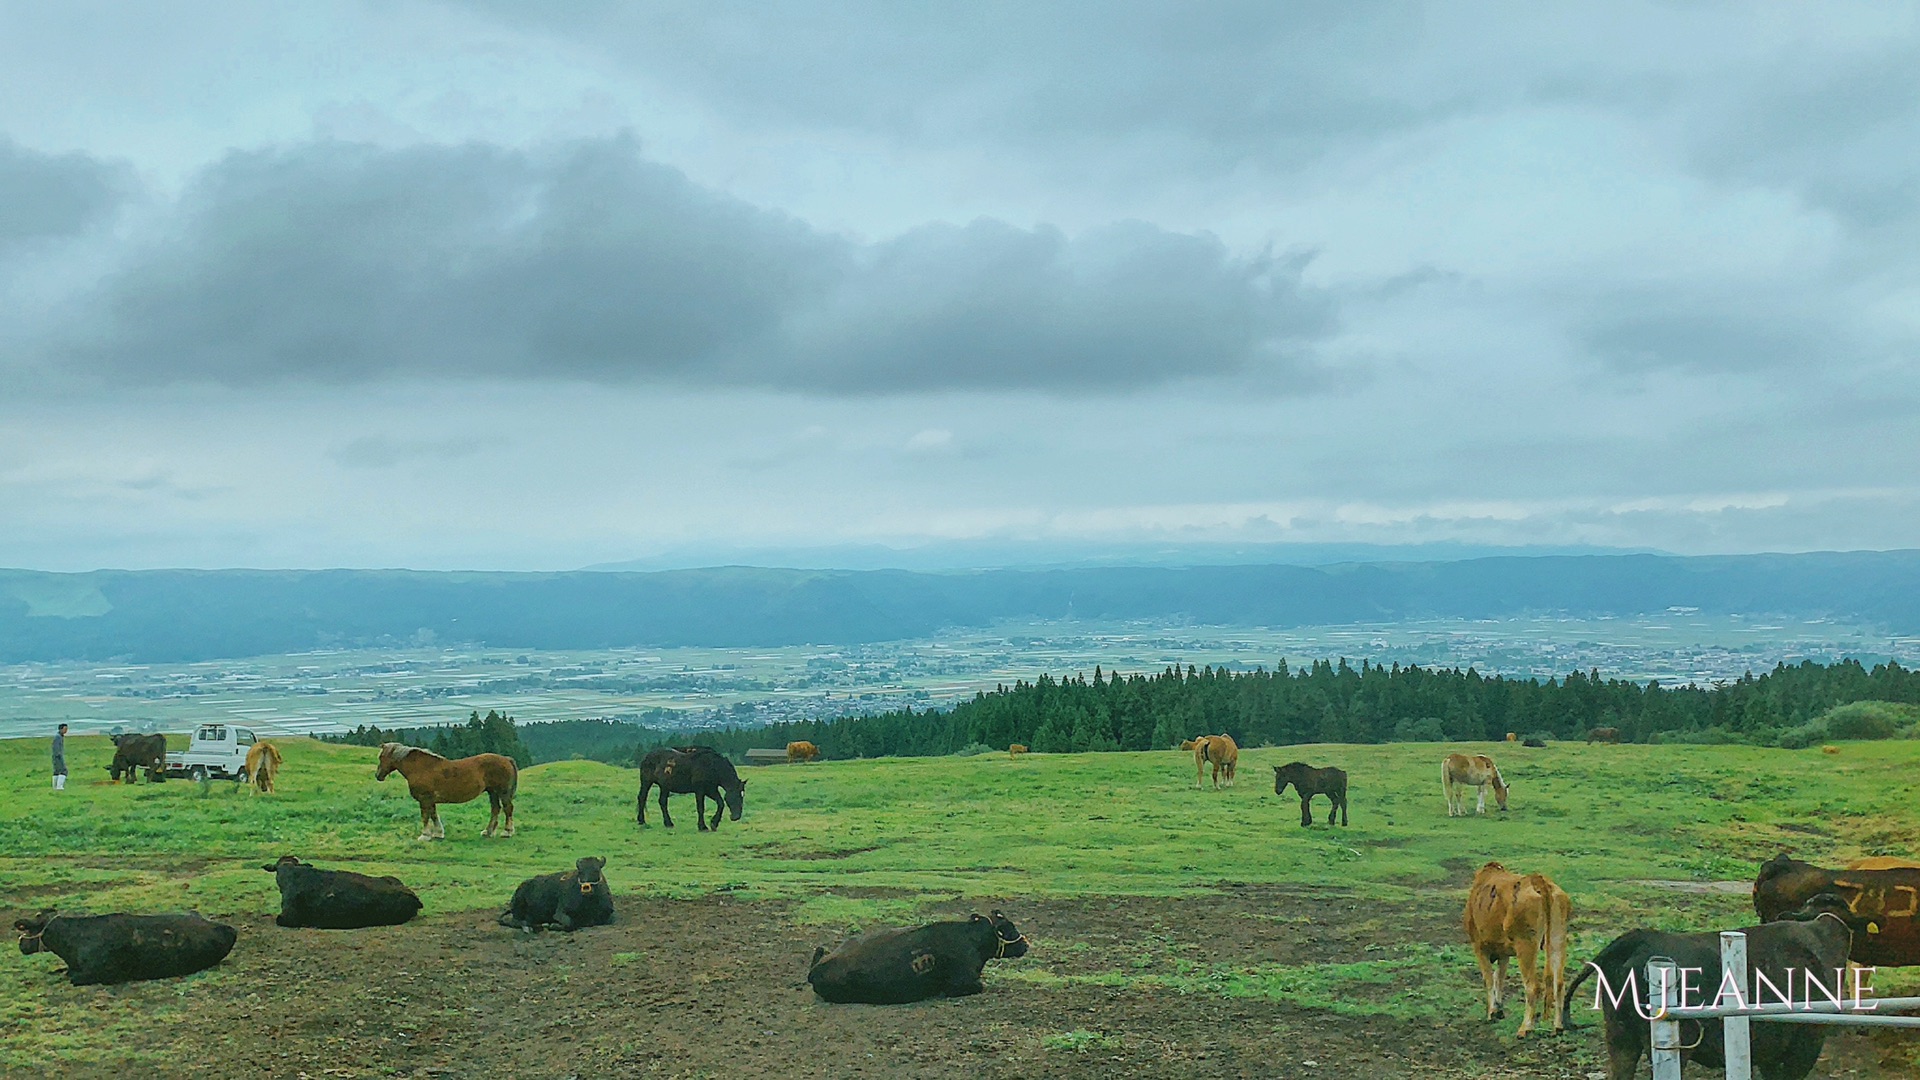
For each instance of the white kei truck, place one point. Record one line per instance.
(217, 752)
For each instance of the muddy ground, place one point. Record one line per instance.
(715, 988)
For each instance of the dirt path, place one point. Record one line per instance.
(715, 988)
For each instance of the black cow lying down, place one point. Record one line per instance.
(1812, 939)
(892, 967)
(338, 899)
(569, 901)
(126, 948)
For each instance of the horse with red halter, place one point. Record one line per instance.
(433, 780)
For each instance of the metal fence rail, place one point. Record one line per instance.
(1667, 1013)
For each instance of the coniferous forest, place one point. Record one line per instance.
(1790, 706)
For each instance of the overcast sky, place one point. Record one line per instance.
(534, 286)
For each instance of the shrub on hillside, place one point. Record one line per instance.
(974, 750)
(1870, 719)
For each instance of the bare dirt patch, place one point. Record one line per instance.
(715, 987)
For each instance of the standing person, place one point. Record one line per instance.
(60, 759)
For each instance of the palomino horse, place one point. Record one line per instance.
(1523, 917)
(1460, 772)
(1218, 750)
(1309, 781)
(433, 780)
(700, 771)
(263, 764)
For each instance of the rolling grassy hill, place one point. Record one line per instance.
(847, 844)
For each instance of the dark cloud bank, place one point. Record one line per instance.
(334, 262)
(44, 196)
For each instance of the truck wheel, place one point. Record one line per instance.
(197, 774)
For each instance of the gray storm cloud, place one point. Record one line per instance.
(44, 196)
(336, 262)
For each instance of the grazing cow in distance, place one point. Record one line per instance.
(1460, 772)
(1603, 734)
(127, 948)
(1829, 749)
(338, 899)
(263, 764)
(133, 752)
(1890, 898)
(1812, 941)
(1309, 781)
(1525, 918)
(896, 966)
(1534, 743)
(802, 751)
(576, 898)
(1221, 752)
(1016, 750)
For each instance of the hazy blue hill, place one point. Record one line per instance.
(178, 615)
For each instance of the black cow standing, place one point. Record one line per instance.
(134, 752)
(127, 948)
(892, 967)
(338, 899)
(1812, 941)
(571, 900)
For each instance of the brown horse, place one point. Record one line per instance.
(1460, 772)
(1016, 750)
(263, 764)
(1221, 752)
(1603, 734)
(433, 780)
(802, 751)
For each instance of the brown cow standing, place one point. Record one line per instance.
(1016, 750)
(1890, 898)
(802, 751)
(1525, 918)
(1603, 734)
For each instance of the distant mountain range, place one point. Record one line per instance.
(186, 615)
(1075, 554)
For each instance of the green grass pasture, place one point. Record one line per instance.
(858, 842)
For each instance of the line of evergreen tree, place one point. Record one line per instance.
(1337, 702)
(494, 733)
(1323, 702)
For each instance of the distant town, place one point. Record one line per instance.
(686, 688)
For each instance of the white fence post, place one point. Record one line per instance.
(1738, 1040)
(1662, 994)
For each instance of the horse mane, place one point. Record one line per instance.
(398, 751)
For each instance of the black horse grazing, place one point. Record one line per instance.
(700, 771)
(1309, 781)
